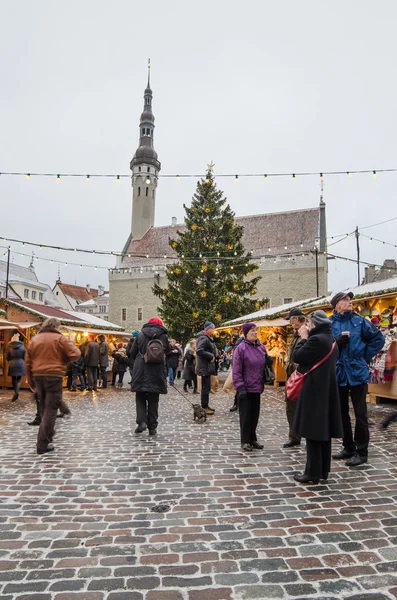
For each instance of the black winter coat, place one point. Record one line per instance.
(78, 366)
(189, 370)
(205, 351)
(172, 359)
(16, 356)
(129, 352)
(318, 415)
(122, 362)
(150, 378)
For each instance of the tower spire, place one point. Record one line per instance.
(148, 73)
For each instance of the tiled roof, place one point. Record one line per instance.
(78, 292)
(261, 232)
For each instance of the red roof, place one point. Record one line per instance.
(261, 232)
(47, 311)
(78, 292)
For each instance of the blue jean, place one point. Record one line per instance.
(171, 374)
(74, 382)
(104, 376)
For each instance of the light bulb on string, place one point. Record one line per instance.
(88, 178)
(293, 177)
(265, 177)
(58, 177)
(236, 178)
(374, 174)
(348, 174)
(321, 177)
(118, 179)
(178, 177)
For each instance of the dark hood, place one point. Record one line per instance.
(323, 328)
(153, 330)
(15, 345)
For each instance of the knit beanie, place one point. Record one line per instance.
(134, 334)
(155, 320)
(319, 317)
(120, 345)
(208, 325)
(247, 327)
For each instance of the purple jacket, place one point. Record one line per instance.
(249, 367)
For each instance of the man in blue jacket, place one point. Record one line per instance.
(358, 341)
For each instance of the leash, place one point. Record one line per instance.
(183, 395)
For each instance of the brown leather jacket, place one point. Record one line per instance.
(48, 354)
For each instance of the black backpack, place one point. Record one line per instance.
(154, 352)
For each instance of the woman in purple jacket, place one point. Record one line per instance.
(249, 361)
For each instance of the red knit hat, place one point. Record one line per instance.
(120, 345)
(155, 320)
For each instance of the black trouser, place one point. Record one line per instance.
(358, 394)
(104, 377)
(290, 409)
(49, 391)
(205, 390)
(38, 406)
(318, 459)
(92, 377)
(189, 382)
(147, 409)
(249, 417)
(121, 377)
(16, 384)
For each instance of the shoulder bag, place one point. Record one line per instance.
(294, 384)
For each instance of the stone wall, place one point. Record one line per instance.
(294, 279)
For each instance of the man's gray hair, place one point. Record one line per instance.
(51, 323)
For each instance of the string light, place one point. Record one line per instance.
(27, 176)
(178, 178)
(293, 176)
(321, 177)
(265, 177)
(236, 178)
(349, 174)
(118, 179)
(374, 174)
(87, 178)
(58, 177)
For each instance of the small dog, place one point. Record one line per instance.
(199, 414)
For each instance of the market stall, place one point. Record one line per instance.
(25, 317)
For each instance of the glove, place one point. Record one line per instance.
(242, 395)
(342, 341)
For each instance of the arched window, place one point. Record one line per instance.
(139, 191)
(148, 169)
(143, 131)
(139, 168)
(147, 191)
(152, 193)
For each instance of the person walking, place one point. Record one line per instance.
(129, 350)
(122, 365)
(206, 353)
(47, 355)
(103, 360)
(296, 319)
(16, 366)
(358, 341)
(172, 361)
(248, 371)
(91, 359)
(318, 417)
(189, 369)
(149, 379)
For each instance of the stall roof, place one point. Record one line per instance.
(267, 313)
(5, 324)
(262, 323)
(92, 319)
(91, 329)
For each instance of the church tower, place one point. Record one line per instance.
(145, 168)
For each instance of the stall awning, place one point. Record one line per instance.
(4, 324)
(98, 331)
(262, 323)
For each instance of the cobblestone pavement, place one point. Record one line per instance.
(78, 524)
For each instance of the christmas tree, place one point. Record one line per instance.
(209, 281)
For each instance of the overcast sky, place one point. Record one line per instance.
(257, 86)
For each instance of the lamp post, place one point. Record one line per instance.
(316, 246)
(8, 269)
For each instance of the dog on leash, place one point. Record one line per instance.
(199, 414)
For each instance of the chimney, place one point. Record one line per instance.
(101, 290)
(88, 288)
(173, 221)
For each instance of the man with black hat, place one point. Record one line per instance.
(358, 341)
(206, 355)
(296, 320)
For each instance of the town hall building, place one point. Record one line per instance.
(291, 245)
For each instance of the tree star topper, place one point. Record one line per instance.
(211, 166)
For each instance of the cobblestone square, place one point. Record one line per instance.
(79, 524)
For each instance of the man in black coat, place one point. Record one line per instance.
(172, 361)
(318, 417)
(148, 380)
(206, 353)
(103, 360)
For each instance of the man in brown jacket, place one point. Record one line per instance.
(47, 355)
(297, 319)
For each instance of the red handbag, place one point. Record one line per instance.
(295, 382)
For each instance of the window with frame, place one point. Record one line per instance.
(140, 314)
(123, 314)
(102, 309)
(26, 293)
(139, 191)
(41, 297)
(288, 300)
(34, 295)
(147, 191)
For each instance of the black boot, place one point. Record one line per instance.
(15, 397)
(36, 421)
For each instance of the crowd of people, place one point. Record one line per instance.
(330, 355)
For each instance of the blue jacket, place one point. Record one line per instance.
(365, 343)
